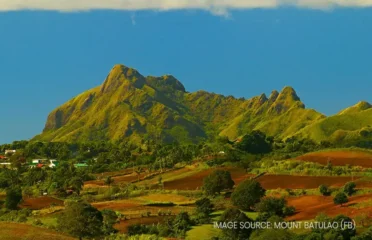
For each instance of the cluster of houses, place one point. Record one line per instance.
(43, 163)
(38, 163)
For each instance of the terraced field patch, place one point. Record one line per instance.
(41, 202)
(16, 231)
(340, 158)
(308, 207)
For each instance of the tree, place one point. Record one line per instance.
(80, 220)
(345, 232)
(17, 160)
(340, 199)
(109, 220)
(204, 208)
(274, 206)
(255, 142)
(181, 224)
(218, 181)
(138, 171)
(349, 188)
(247, 194)
(13, 197)
(367, 235)
(109, 181)
(324, 190)
(235, 215)
(76, 183)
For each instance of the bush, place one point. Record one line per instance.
(247, 194)
(218, 181)
(349, 188)
(340, 199)
(324, 190)
(204, 208)
(289, 210)
(13, 197)
(235, 215)
(275, 206)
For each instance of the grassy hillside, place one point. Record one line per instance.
(352, 123)
(130, 106)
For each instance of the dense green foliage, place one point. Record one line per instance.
(204, 208)
(349, 188)
(324, 190)
(340, 198)
(232, 215)
(255, 142)
(247, 194)
(81, 220)
(13, 197)
(172, 227)
(218, 181)
(274, 206)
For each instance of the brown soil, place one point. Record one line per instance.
(308, 207)
(340, 158)
(268, 181)
(40, 202)
(15, 231)
(195, 181)
(116, 205)
(300, 182)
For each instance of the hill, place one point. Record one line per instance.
(348, 125)
(131, 106)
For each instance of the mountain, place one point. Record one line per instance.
(350, 124)
(130, 106)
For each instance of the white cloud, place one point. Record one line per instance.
(219, 7)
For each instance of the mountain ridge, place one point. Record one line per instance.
(130, 106)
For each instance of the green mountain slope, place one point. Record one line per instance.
(136, 108)
(127, 105)
(350, 124)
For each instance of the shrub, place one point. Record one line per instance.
(340, 198)
(247, 194)
(349, 188)
(13, 197)
(324, 190)
(217, 181)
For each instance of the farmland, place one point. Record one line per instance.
(150, 198)
(40, 202)
(340, 158)
(309, 207)
(195, 181)
(15, 231)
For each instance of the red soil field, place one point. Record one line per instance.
(195, 181)
(268, 181)
(300, 182)
(135, 210)
(15, 231)
(340, 158)
(119, 179)
(116, 173)
(308, 207)
(116, 205)
(40, 202)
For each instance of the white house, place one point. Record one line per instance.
(53, 163)
(50, 163)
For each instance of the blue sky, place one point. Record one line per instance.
(52, 53)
